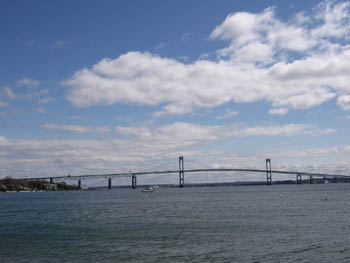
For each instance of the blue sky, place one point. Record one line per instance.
(113, 86)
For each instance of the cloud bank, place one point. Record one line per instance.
(74, 128)
(297, 64)
(137, 148)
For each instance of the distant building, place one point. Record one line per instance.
(14, 187)
(50, 187)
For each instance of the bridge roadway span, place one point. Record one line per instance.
(130, 174)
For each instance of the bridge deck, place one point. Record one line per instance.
(189, 171)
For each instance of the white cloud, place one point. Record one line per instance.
(75, 128)
(147, 79)
(278, 130)
(160, 46)
(181, 133)
(59, 44)
(344, 102)
(334, 19)
(183, 58)
(258, 65)
(278, 111)
(27, 82)
(3, 140)
(259, 37)
(26, 89)
(45, 100)
(173, 136)
(185, 37)
(227, 115)
(7, 92)
(322, 132)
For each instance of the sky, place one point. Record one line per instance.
(94, 87)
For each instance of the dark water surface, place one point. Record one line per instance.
(209, 224)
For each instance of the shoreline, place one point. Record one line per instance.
(252, 183)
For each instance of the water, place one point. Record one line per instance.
(286, 223)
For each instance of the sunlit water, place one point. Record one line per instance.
(289, 223)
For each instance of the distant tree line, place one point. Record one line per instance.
(12, 184)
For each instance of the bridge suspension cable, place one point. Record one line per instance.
(181, 171)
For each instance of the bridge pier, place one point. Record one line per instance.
(109, 183)
(181, 172)
(268, 172)
(311, 179)
(133, 182)
(299, 181)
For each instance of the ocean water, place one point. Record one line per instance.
(284, 223)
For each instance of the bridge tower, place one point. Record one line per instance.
(109, 183)
(181, 172)
(299, 179)
(133, 181)
(268, 172)
(51, 180)
(79, 183)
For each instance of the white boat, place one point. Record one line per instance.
(148, 189)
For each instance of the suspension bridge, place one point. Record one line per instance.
(181, 171)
